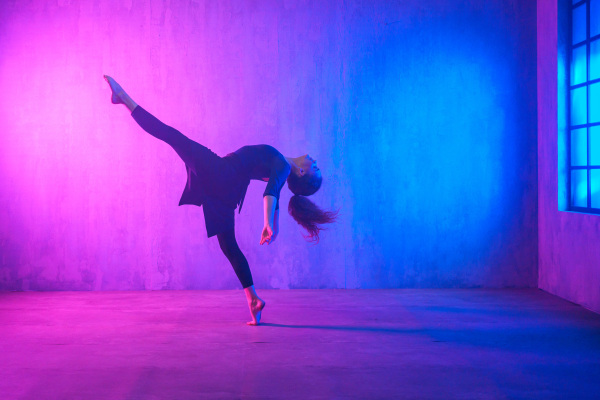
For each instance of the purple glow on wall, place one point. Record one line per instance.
(423, 93)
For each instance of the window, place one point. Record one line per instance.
(584, 110)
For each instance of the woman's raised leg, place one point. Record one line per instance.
(199, 158)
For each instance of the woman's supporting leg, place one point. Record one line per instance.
(255, 304)
(232, 251)
(235, 256)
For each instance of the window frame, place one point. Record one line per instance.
(570, 127)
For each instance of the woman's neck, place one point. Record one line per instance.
(292, 162)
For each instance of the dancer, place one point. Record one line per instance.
(219, 184)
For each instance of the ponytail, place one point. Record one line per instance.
(310, 216)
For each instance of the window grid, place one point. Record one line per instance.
(588, 168)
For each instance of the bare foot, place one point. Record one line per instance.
(117, 90)
(256, 307)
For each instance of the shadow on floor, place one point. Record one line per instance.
(346, 328)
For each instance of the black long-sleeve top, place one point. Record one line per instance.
(228, 177)
(260, 162)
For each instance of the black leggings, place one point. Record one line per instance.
(201, 160)
(235, 256)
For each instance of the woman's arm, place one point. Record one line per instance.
(267, 235)
(269, 209)
(276, 224)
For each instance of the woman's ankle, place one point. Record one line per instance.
(250, 293)
(127, 101)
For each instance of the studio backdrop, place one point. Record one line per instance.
(421, 115)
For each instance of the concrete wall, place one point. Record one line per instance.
(569, 251)
(421, 114)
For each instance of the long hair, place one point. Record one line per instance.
(304, 211)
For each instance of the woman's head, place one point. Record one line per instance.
(305, 177)
(304, 180)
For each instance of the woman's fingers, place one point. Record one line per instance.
(265, 238)
(266, 235)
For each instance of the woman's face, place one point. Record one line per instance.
(308, 165)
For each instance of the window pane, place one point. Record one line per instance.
(595, 145)
(579, 24)
(579, 188)
(579, 106)
(579, 147)
(595, 187)
(579, 65)
(594, 102)
(595, 59)
(595, 17)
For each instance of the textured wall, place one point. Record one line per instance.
(569, 254)
(420, 113)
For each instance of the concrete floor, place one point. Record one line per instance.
(314, 344)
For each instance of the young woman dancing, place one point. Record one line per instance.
(219, 185)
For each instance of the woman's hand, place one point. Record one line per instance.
(267, 235)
